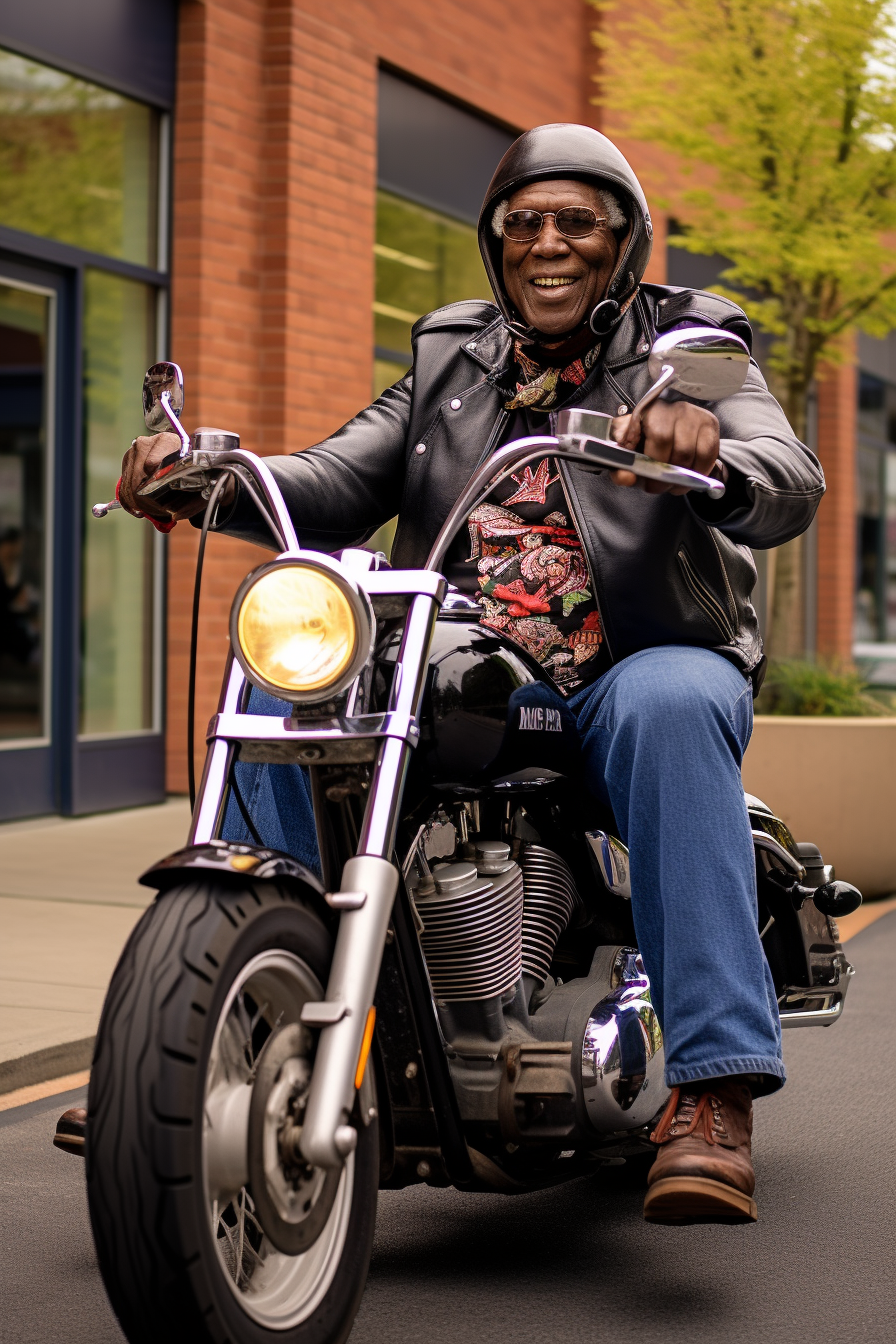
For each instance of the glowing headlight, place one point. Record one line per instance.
(300, 629)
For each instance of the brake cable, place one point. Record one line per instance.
(234, 472)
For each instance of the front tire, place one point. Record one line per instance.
(209, 975)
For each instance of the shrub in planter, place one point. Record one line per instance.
(820, 690)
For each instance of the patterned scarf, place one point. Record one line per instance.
(540, 385)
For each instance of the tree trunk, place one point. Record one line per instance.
(786, 633)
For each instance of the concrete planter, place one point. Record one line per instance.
(834, 782)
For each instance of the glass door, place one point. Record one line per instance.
(27, 368)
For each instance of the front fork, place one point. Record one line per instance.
(366, 895)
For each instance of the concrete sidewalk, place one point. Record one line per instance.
(69, 898)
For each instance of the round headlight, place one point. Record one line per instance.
(300, 630)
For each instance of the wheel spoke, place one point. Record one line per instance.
(275, 1288)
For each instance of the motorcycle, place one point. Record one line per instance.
(457, 997)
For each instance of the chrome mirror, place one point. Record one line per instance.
(701, 362)
(163, 401)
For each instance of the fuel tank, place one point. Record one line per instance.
(489, 712)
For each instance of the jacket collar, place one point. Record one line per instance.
(492, 348)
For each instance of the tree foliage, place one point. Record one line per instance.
(781, 115)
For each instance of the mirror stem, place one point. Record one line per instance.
(186, 447)
(666, 378)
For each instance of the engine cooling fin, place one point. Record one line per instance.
(550, 900)
(472, 929)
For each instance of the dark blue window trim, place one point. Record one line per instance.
(126, 45)
(434, 152)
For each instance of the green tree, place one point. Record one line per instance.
(781, 117)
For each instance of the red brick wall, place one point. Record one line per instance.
(275, 137)
(837, 394)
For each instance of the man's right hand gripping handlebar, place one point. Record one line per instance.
(145, 457)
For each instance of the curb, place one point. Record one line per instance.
(54, 1062)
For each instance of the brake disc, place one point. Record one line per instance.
(293, 1200)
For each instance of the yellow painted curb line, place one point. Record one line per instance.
(37, 1091)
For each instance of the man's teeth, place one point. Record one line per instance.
(551, 282)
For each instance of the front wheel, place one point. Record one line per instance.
(208, 1225)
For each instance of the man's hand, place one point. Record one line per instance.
(676, 432)
(141, 460)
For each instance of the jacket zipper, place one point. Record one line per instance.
(571, 504)
(705, 597)
(732, 605)
(497, 431)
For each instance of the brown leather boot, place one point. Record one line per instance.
(703, 1172)
(71, 1131)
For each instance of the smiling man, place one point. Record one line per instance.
(635, 601)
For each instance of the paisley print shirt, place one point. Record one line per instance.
(526, 566)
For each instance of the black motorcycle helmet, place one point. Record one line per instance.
(565, 149)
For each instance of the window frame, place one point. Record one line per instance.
(96, 772)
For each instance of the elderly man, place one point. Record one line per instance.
(635, 600)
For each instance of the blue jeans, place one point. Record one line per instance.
(277, 798)
(663, 734)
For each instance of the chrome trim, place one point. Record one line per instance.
(818, 1005)
(665, 376)
(583, 449)
(209, 443)
(208, 812)
(311, 741)
(612, 859)
(622, 1052)
(755, 804)
(355, 595)
(351, 986)
(409, 681)
(269, 488)
(763, 841)
(488, 475)
(824, 1016)
(706, 363)
(345, 900)
(323, 1014)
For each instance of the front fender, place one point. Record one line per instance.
(227, 859)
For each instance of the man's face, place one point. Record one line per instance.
(583, 266)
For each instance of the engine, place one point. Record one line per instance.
(533, 1059)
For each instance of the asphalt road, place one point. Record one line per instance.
(576, 1263)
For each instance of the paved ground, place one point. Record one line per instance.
(576, 1263)
(68, 900)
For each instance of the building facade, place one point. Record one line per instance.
(271, 194)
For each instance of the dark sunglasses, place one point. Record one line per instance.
(573, 221)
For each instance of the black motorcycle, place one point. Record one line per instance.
(457, 999)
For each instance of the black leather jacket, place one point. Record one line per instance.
(667, 570)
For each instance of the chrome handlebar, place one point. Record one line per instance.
(572, 443)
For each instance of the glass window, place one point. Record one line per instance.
(871, 539)
(24, 446)
(117, 585)
(77, 162)
(424, 260)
